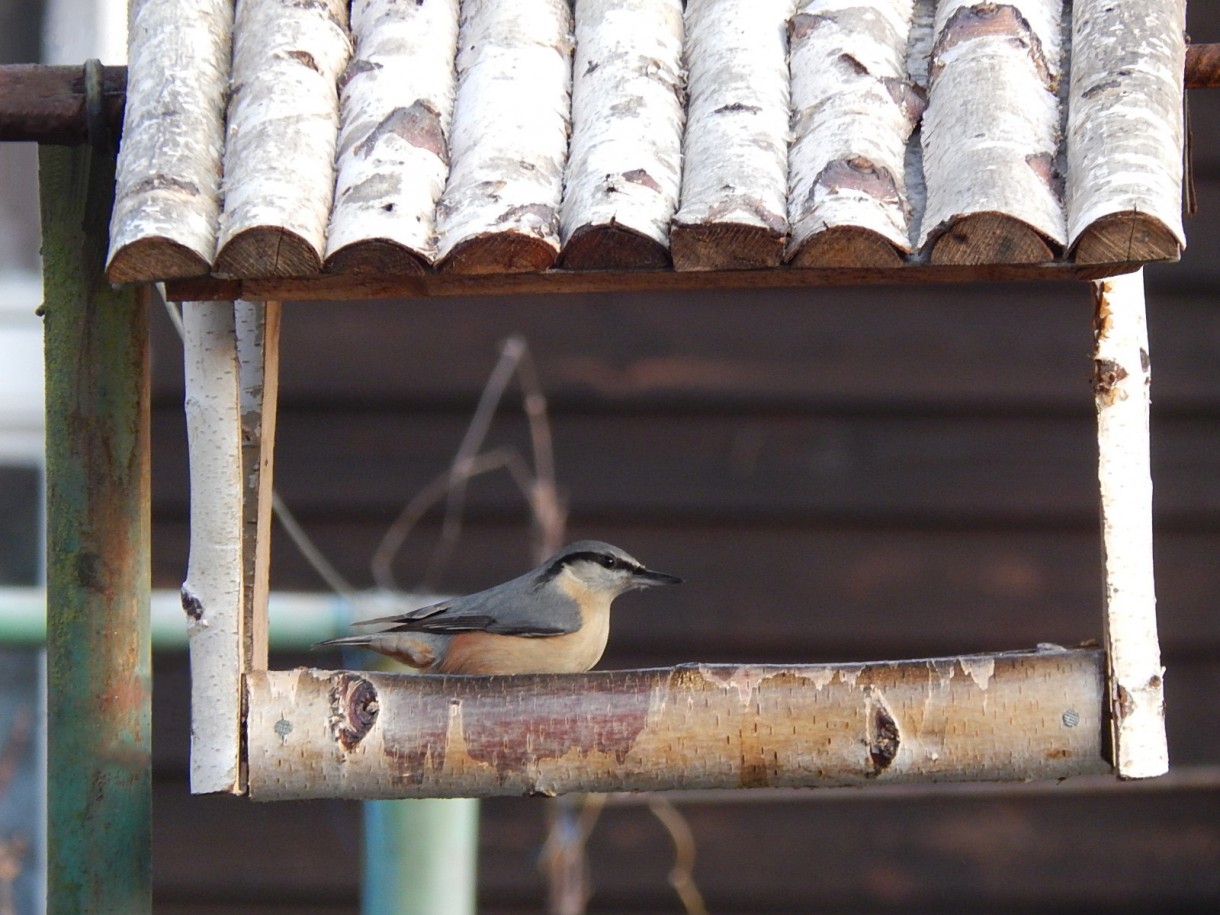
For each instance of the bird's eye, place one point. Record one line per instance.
(609, 562)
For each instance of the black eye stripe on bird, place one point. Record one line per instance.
(553, 619)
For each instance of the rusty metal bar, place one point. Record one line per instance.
(99, 764)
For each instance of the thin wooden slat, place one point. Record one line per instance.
(1014, 715)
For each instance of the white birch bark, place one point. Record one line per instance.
(1121, 386)
(854, 111)
(167, 193)
(735, 149)
(991, 131)
(1125, 121)
(213, 591)
(396, 105)
(283, 121)
(624, 168)
(509, 136)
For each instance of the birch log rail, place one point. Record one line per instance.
(282, 127)
(1009, 716)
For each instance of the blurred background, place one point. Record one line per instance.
(839, 474)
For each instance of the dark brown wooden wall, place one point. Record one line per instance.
(838, 474)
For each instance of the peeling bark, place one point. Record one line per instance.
(279, 175)
(735, 177)
(396, 106)
(624, 168)
(167, 194)
(1125, 130)
(1017, 715)
(500, 209)
(853, 113)
(991, 134)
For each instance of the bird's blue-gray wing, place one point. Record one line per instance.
(516, 607)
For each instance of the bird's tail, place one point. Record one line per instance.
(345, 640)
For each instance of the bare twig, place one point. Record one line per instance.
(682, 874)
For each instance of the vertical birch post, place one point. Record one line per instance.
(624, 169)
(99, 698)
(212, 595)
(500, 210)
(279, 176)
(1125, 130)
(853, 112)
(991, 134)
(393, 157)
(1121, 384)
(735, 175)
(167, 201)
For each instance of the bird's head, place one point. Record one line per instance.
(604, 569)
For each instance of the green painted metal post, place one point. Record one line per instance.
(420, 857)
(99, 802)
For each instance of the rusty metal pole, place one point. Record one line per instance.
(98, 656)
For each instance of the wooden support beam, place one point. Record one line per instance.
(99, 740)
(1121, 382)
(1009, 716)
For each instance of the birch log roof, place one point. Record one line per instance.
(476, 137)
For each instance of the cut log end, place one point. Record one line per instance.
(1126, 237)
(612, 247)
(148, 260)
(847, 246)
(725, 246)
(267, 251)
(990, 238)
(500, 252)
(376, 256)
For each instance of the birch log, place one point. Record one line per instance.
(393, 158)
(624, 169)
(1125, 130)
(1121, 386)
(500, 209)
(213, 591)
(991, 134)
(167, 193)
(854, 110)
(1017, 715)
(279, 176)
(732, 212)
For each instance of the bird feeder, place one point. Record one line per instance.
(423, 149)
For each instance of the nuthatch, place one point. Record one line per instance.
(554, 619)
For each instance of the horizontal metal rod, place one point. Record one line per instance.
(1008, 716)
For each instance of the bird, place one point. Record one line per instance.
(552, 619)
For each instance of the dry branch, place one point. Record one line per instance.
(279, 156)
(397, 102)
(624, 168)
(1017, 715)
(1121, 385)
(500, 210)
(854, 111)
(735, 177)
(1125, 130)
(991, 133)
(167, 194)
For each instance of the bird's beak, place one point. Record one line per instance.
(647, 578)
